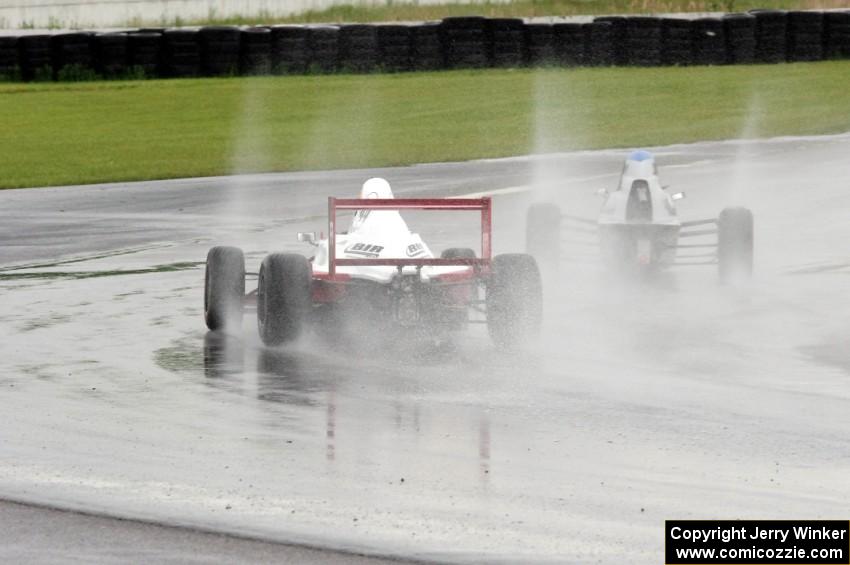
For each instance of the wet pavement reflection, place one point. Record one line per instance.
(299, 378)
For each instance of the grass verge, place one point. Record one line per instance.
(58, 134)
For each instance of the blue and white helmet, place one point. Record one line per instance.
(640, 164)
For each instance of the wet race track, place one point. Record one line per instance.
(646, 400)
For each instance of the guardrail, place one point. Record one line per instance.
(760, 36)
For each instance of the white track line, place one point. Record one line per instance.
(528, 187)
(495, 192)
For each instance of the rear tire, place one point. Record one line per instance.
(458, 253)
(543, 234)
(283, 297)
(735, 245)
(224, 288)
(514, 300)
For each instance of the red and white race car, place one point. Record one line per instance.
(382, 275)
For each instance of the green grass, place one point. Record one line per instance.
(57, 134)
(395, 11)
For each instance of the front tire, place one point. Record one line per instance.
(514, 300)
(224, 288)
(735, 245)
(283, 297)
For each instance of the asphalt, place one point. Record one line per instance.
(646, 401)
(38, 534)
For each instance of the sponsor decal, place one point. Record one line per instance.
(415, 249)
(364, 249)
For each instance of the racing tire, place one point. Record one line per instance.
(283, 297)
(543, 234)
(458, 253)
(514, 300)
(735, 245)
(224, 288)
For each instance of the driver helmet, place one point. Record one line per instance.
(375, 187)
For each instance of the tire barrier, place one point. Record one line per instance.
(540, 44)
(836, 35)
(805, 36)
(677, 42)
(569, 44)
(618, 34)
(426, 48)
(9, 66)
(709, 39)
(181, 53)
(740, 32)
(507, 41)
(599, 44)
(760, 36)
(358, 48)
(465, 42)
(394, 48)
(290, 49)
(771, 35)
(111, 54)
(220, 50)
(34, 57)
(642, 41)
(143, 50)
(71, 56)
(324, 48)
(255, 51)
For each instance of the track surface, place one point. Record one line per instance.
(670, 398)
(35, 534)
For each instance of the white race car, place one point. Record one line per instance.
(639, 228)
(381, 275)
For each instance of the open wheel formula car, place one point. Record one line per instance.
(639, 230)
(382, 275)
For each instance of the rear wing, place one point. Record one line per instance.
(482, 204)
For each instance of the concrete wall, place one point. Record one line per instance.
(110, 13)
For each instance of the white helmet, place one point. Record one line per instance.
(376, 187)
(385, 220)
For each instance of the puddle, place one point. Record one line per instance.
(42, 323)
(38, 371)
(160, 321)
(184, 355)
